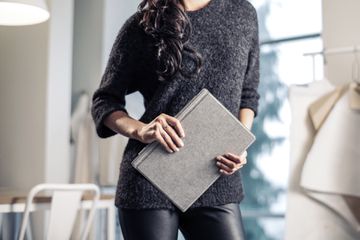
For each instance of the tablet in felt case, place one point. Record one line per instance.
(210, 130)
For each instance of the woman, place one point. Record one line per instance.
(168, 51)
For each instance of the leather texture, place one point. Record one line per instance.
(222, 222)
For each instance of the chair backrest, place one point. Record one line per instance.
(65, 202)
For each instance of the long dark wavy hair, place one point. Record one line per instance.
(167, 23)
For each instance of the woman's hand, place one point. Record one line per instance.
(165, 129)
(229, 162)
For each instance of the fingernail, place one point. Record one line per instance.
(181, 143)
(176, 149)
(218, 163)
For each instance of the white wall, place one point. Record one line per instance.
(116, 13)
(96, 24)
(23, 66)
(59, 77)
(88, 30)
(42, 67)
(341, 21)
(35, 67)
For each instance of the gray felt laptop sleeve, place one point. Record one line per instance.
(210, 130)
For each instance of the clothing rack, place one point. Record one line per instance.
(332, 51)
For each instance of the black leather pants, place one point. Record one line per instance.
(222, 222)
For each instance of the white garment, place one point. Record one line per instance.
(87, 153)
(95, 160)
(85, 143)
(110, 152)
(307, 219)
(81, 109)
(332, 166)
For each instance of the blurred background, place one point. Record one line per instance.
(302, 176)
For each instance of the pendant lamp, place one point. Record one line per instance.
(23, 12)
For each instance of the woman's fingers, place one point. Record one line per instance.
(164, 138)
(174, 122)
(233, 157)
(164, 124)
(160, 138)
(168, 140)
(179, 143)
(237, 158)
(229, 163)
(225, 169)
(226, 164)
(173, 134)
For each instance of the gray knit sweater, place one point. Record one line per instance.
(225, 33)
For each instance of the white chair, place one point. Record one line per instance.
(65, 202)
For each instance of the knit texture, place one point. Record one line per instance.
(225, 33)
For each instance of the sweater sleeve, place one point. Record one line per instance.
(250, 96)
(119, 78)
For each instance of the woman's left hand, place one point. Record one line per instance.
(229, 163)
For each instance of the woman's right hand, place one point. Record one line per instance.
(165, 129)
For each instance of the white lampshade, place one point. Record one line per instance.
(23, 12)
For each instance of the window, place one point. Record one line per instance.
(288, 29)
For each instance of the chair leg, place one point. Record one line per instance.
(28, 230)
(111, 223)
